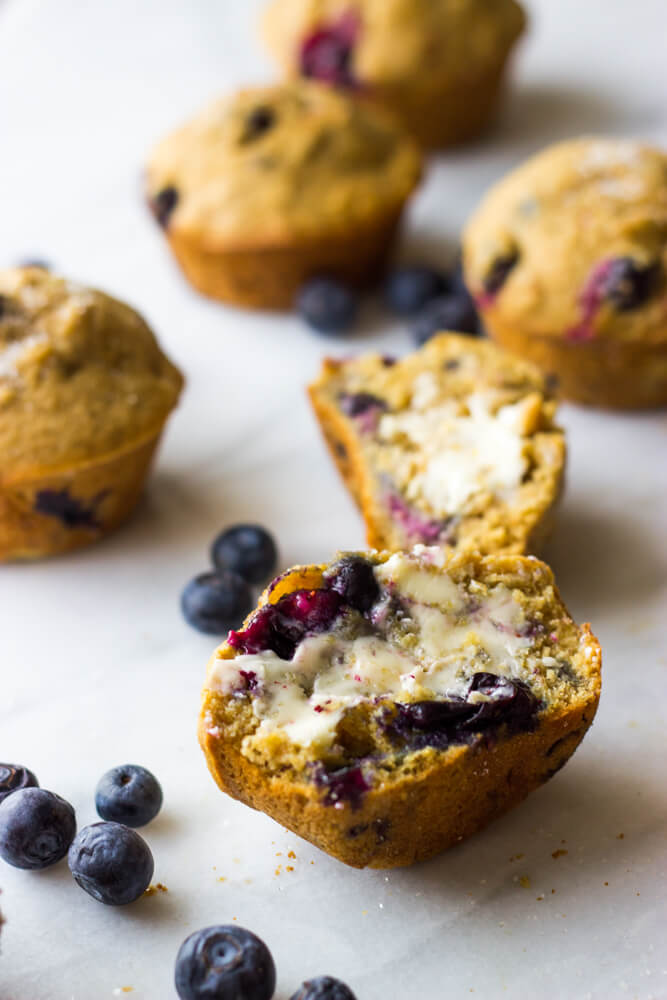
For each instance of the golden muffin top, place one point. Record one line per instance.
(81, 374)
(366, 42)
(277, 164)
(573, 243)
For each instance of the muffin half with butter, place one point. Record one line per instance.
(84, 395)
(275, 185)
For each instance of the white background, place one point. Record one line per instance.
(97, 667)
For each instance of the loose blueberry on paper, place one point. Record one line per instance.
(409, 289)
(246, 549)
(111, 862)
(323, 988)
(216, 602)
(13, 777)
(36, 828)
(224, 963)
(326, 305)
(128, 794)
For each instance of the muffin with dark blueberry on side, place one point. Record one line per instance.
(384, 707)
(439, 65)
(567, 259)
(85, 392)
(275, 185)
(455, 445)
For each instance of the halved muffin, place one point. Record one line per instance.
(454, 445)
(384, 707)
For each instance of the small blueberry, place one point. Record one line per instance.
(111, 862)
(224, 963)
(36, 828)
(128, 794)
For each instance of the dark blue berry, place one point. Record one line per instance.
(163, 204)
(347, 784)
(628, 284)
(246, 549)
(281, 627)
(326, 305)
(13, 777)
(72, 512)
(110, 862)
(409, 289)
(259, 121)
(323, 988)
(36, 828)
(129, 794)
(355, 404)
(353, 578)
(216, 602)
(455, 312)
(224, 963)
(500, 271)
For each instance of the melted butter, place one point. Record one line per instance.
(453, 638)
(461, 454)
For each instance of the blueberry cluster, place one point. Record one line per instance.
(218, 600)
(434, 300)
(230, 963)
(109, 860)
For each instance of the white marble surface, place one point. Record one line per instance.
(97, 667)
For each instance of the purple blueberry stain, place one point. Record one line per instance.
(163, 204)
(441, 723)
(73, 513)
(364, 408)
(282, 626)
(341, 787)
(417, 526)
(327, 53)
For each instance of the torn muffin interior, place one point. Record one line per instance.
(386, 658)
(455, 445)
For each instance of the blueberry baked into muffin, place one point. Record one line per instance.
(454, 445)
(438, 65)
(269, 187)
(85, 392)
(567, 259)
(386, 706)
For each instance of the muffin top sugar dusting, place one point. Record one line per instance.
(358, 43)
(81, 374)
(573, 244)
(278, 163)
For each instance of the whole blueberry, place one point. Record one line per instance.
(353, 578)
(128, 794)
(327, 305)
(36, 828)
(323, 988)
(13, 777)
(246, 549)
(454, 312)
(628, 284)
(163, 204)
(216, 602)
(409, 289)
(224, 963)
(112, 863)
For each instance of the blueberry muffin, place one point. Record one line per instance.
(385, 707)
(274, 185)
(84, 395)
(567, 258)
(437, 64)
(454, 445)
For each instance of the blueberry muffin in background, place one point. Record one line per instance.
(567, 260)
(455, 445)
(438, 65)
(84, 395)
(384, 707)
(274, 185)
